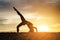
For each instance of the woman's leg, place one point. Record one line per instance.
(19, 25)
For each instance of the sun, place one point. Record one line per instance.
(43, 28)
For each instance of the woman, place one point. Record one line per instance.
(24, 21)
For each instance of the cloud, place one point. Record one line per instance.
(26, 5)
(4, 4)
(2, 21)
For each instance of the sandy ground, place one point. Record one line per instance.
(30, 36)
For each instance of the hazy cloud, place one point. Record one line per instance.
(44, 8)
(38, 6)
(4, 4)
(2, 21)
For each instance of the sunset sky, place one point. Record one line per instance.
(38, 12)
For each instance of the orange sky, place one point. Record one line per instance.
(37, 12)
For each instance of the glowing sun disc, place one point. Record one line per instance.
(42, 28)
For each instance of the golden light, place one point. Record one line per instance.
(43, 28)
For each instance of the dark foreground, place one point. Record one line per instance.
(30, 36)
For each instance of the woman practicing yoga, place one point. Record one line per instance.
(24, 21)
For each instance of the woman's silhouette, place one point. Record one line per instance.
(24, 21)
